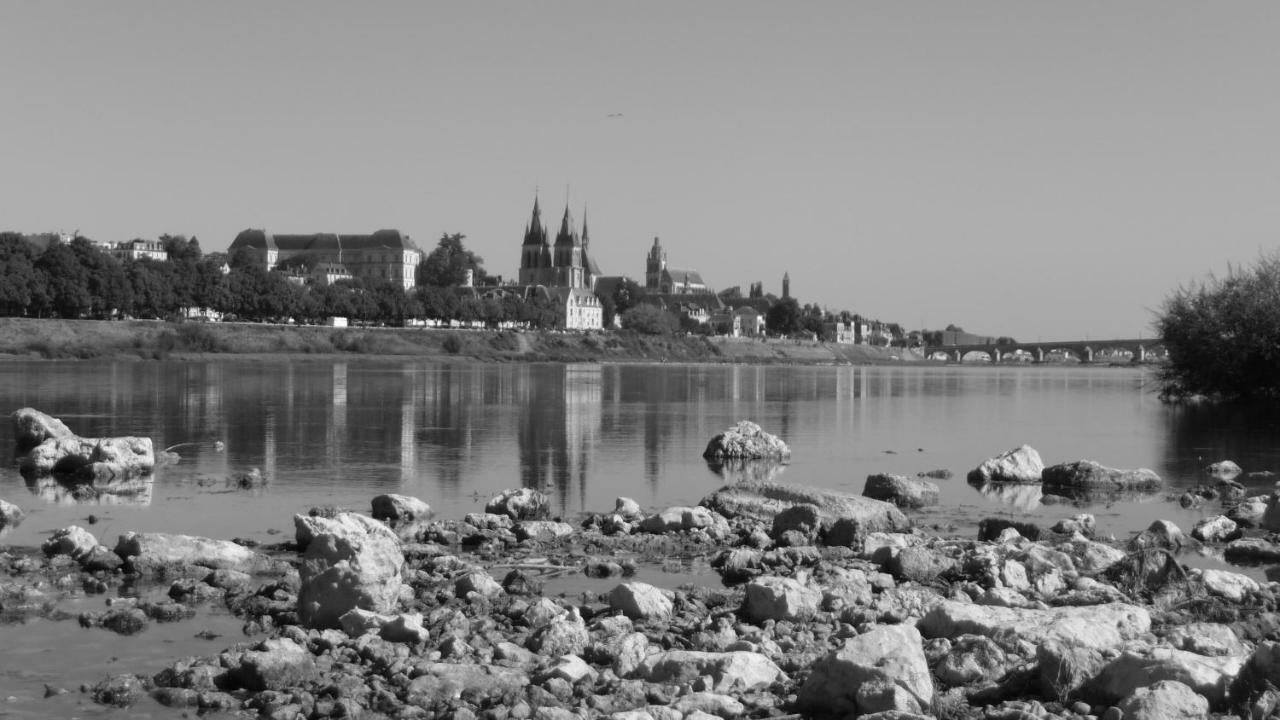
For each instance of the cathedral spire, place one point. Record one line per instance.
(586, 239)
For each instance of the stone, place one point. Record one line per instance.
(477, 581)
(1271, 515)
(920, 564)
(901, 490)
(404, 628)
(881, 548)
(89, 459)
(399, 508)
(1223, 470)
(275, 664)
(32, 427)
(708, 705)
(972, 658)
(1019, 465)
(306, 527)
(746, 440)
(562, 636)
(1095, 626)
(883, 669)
(803, 521)
(120, 690)
(1226, 584)
(347, 564)
(627, 509)
(1065, 668)
(520, 504)
(1165, 700)
(991, 529)
(73, 540)
(1140, 667)
(446, 683)
(640, 601)
(358, 621)
(155, 552)
(1089, 475)
(1252, 550)
(1084, 523)
(542, 530)
(1161, 534)
(570, 668)
(1249, 512)
(679, 518)
(739, 670)
(10, 514)
(1212, 639)
(1219, 528)
(780, 598)
(854, 515)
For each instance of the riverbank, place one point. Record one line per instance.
(27, 338)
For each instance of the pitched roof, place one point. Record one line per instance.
(384, 239)
(684, 277)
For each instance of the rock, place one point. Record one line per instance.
(1140, 667)
(970, 659)
(1271, 515)
(542, 530)
(72, 540)
(306, 527)
(1210, 639)
(709, 706)
(799, 522)
(477, 581)
(155, 552)
(399, 508)
(901, 490)
(1019, 465)
(570, 668)
(730, 671)
(446, 683)
(347, 564)
(850, 516)
(780, 598)
(1250, 512)
(404, 628)
(991, 529)
(919, 564)
(1219, 528)
(1229, 585)
(1165, 700)
(628, 509)
(561, 636)
(101, 559)
(32, 427)
(1095, 626)
(1065, 667)
(678, 519)
(1084, 523)
(275, 664)
(746, 441)
(521, 504)
(1223, 470)
(87, 459)
(1161, 534)
(1089, 475)
(120, 690)
(357, 621)
(1252, 550)
(884, 669)
(10, 514)
(640, 601)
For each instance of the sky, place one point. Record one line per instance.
(1034, 169)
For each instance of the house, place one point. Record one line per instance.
(842, 333)
(744, 321)
(578, 308)
(139, 249)
(385, 255)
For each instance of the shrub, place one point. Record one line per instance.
(452, 344)
(1223, 335)
(650, 320)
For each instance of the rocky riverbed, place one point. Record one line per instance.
(822, 604)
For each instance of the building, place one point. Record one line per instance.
(565, 263)
(578, 308)
(743, 321)
(386, 255)
(669, 281)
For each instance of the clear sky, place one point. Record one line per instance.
(1034, 169)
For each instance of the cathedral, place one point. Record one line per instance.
(565, 263)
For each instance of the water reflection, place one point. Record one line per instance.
(134, 491)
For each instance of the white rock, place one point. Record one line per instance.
(1230, 585)
(1210, 639)
(10, 514)
(348, 563)
(781, 598)
(1021, 464)
(1165, 700)
(640, 601)
(477, 581)
(1223, 470)
(521, 504)
(542, 530)
(738, 670)
(148, 552)
(404, 628)
(399, 508)
(884, 669)
(73, 540)
(1140, 667)
(358, 621)
(1219, 528)
(627, 508)
(1098, 626)
(570, 668)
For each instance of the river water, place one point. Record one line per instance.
(326, 432)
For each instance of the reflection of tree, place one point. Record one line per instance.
(447, 424)
(1204, 433)
(543, 445)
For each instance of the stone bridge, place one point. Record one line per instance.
(1139, 350)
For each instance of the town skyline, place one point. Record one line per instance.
(1020, 170)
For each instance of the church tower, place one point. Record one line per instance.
(654, 264)
(535, 253)
(786, 286)
(568, 254)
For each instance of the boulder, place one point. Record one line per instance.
(520, 504)
(357, 621)
(1252, 550)
(306, 527)
(404, 628)
(1140, 667)
(156, 552)
(901, 490)
(640, 601)
(991, 529)
(477, 581)
(884, 669)
(1212, 639)
(1271, 515)
(1160, 534)
(566, 635)
(781, 598)
(542, 530)
(1065, 668)
(627, 509)
(1223, 470)
(1165, 700)
(1251, 511)
(919, 564)
(399, 508)
(275, 664)
(73, 540)
(569, 668)
(855, 514)
(1084, 523)
(1089, 475)
(1226, 584)
(446, 683)
(746, 441)
(1095, 626)
(32, 427)
(1020, 465)
(10, 514)
(972, 658)
(347, 564)
(1219, 528)
(737, 670)
(90, 460)
(679, 518)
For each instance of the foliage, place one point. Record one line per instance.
(447, 265)
(452, 344)
(1223, 335)
(783, 318)
(650, 320)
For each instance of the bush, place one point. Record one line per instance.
(452, 344)
(650, 320)
(1223, 335)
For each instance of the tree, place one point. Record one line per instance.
(783, 318)
(1223, 335)
(650, 320)
(108, 286)
(448, 263)
(17, 274)
(67, 281)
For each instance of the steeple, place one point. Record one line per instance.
(586, 240)
(534, 232)
(786, 285)
(567, 235)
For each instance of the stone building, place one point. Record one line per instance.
(385, 255)
(669, 281)
(565, 263)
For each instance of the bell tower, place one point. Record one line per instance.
(655, 263)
